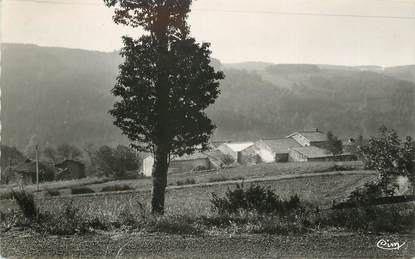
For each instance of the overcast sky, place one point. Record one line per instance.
(279, 31)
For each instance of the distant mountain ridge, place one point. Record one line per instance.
(63, 95)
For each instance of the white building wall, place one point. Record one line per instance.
(148, 163)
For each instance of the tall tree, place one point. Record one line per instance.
(164, 85)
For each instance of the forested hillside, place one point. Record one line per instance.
(63, 95)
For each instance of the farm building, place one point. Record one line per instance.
(69, 170)
(275, 150)
(241, 152)
(187, 163)
(25, 173)
(309, 153)
(310, 138)
(147, 165)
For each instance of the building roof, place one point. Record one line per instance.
(312, 136)
(312, 152)
(193, 156)
(239, 146)
(281, 145)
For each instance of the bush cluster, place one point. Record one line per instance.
(254, 198)
(81, 190)
(186, 182)
(52, 192)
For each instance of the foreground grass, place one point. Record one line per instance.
(327, 244)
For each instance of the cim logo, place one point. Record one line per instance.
(388, 245)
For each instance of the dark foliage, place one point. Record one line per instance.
(335, 145)
(52, 192)
(186, 182)
(371, 218)
(254, 198)
(367, 194)
(81, 190)
(116, 188)
(228, 160)
(26, 202)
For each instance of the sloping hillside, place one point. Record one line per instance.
(63, 95)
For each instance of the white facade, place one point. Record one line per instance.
(147, 166)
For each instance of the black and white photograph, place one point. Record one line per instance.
(207, 129)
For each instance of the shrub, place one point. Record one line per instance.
(52, 192)
(116, 188)
(228, 159)
(255, 198)
(223, 178)
(186, 182)
(68, 222)
(81, 190)
(367, 194)
(389, 218)
(26, 203)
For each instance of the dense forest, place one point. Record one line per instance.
(63, 96)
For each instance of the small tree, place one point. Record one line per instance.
(335, 145)
(387, 155)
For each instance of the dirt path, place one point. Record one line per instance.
(247, 246)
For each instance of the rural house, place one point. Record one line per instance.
(241, 152)
(69, 170)
(310, 138)
(275, 150)
(25, 173)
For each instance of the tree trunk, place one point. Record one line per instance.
(162, 148)
(159, 180)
